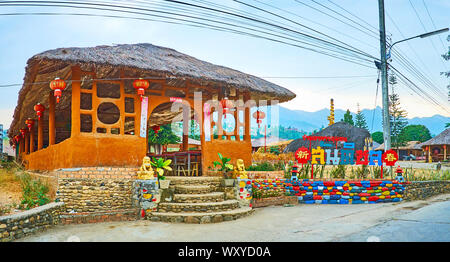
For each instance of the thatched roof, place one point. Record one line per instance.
(441, 139)
(411, 145)
(340, 129)
(135, 60)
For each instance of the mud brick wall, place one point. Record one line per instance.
(19, 225)
(417, 190)
(93, 195)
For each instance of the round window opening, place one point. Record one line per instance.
(108, 113)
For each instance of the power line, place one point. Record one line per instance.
(52, 3)
(425, 30)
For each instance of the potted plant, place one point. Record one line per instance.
(160, 164)
(226, 169)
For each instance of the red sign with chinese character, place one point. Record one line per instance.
(302, 155)
(390, 157)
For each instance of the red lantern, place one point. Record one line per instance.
(58, 85)
(156, 129)
(17, 138)
(23, 131)
(29, 122)
(140, 85)
(39, 108)
(226, 106)
(259, 115)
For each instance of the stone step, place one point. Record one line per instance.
(198, 207)
(199, 198)
(194, 189)
(200, 218)
(200, 180)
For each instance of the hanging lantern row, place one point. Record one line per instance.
(141, 85)
(29, 122)
(259, 115)
(39, 108)
(58, 85)
(23, 131)
(156, 129)
(226, 106)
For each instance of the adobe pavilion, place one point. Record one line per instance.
(101, 120)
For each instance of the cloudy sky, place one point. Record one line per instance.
(26, 35)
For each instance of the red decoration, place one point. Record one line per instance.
(39, 108)
(325, 138)
(58, 85)
(259, 115)
(17, 138)
(302, 155)
(390, 157)
(29, 122)
(140, 85)
(156, 129)
(226, 105)
(23, 131)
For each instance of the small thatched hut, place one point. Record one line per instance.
(436, 147)
(100, 119)
(404, 152)
(340, 129)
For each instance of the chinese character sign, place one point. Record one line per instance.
(345, 156)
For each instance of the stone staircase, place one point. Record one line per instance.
(198, 200)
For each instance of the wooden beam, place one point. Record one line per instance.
(51, 119)
(76, 98)
(41, 132)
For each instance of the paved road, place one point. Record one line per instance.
(403, 221)
(429, 223)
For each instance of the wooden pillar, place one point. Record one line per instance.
(32, 140)
(27, 143)
(41, 132)
(247, 128)
(186, 120)
(21, 146)
(429, 155)
(76, 94)
(445, 152)
(51, 120)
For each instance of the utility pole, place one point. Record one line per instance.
(384, 78)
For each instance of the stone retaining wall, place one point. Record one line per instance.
(420, 190)
(275, 201)
(34, 220)
(93, 195)
(98, 217)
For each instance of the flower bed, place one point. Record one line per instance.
(332, 192)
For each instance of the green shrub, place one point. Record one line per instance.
(362, 172)
(338, 172)
(34, 192)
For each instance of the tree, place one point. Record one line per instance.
(348, 118)
(415, 133)
(447, 125)
(397, 116)
(378, 137)
(360, 120)
(164, 137)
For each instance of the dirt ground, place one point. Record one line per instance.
(10, 190)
